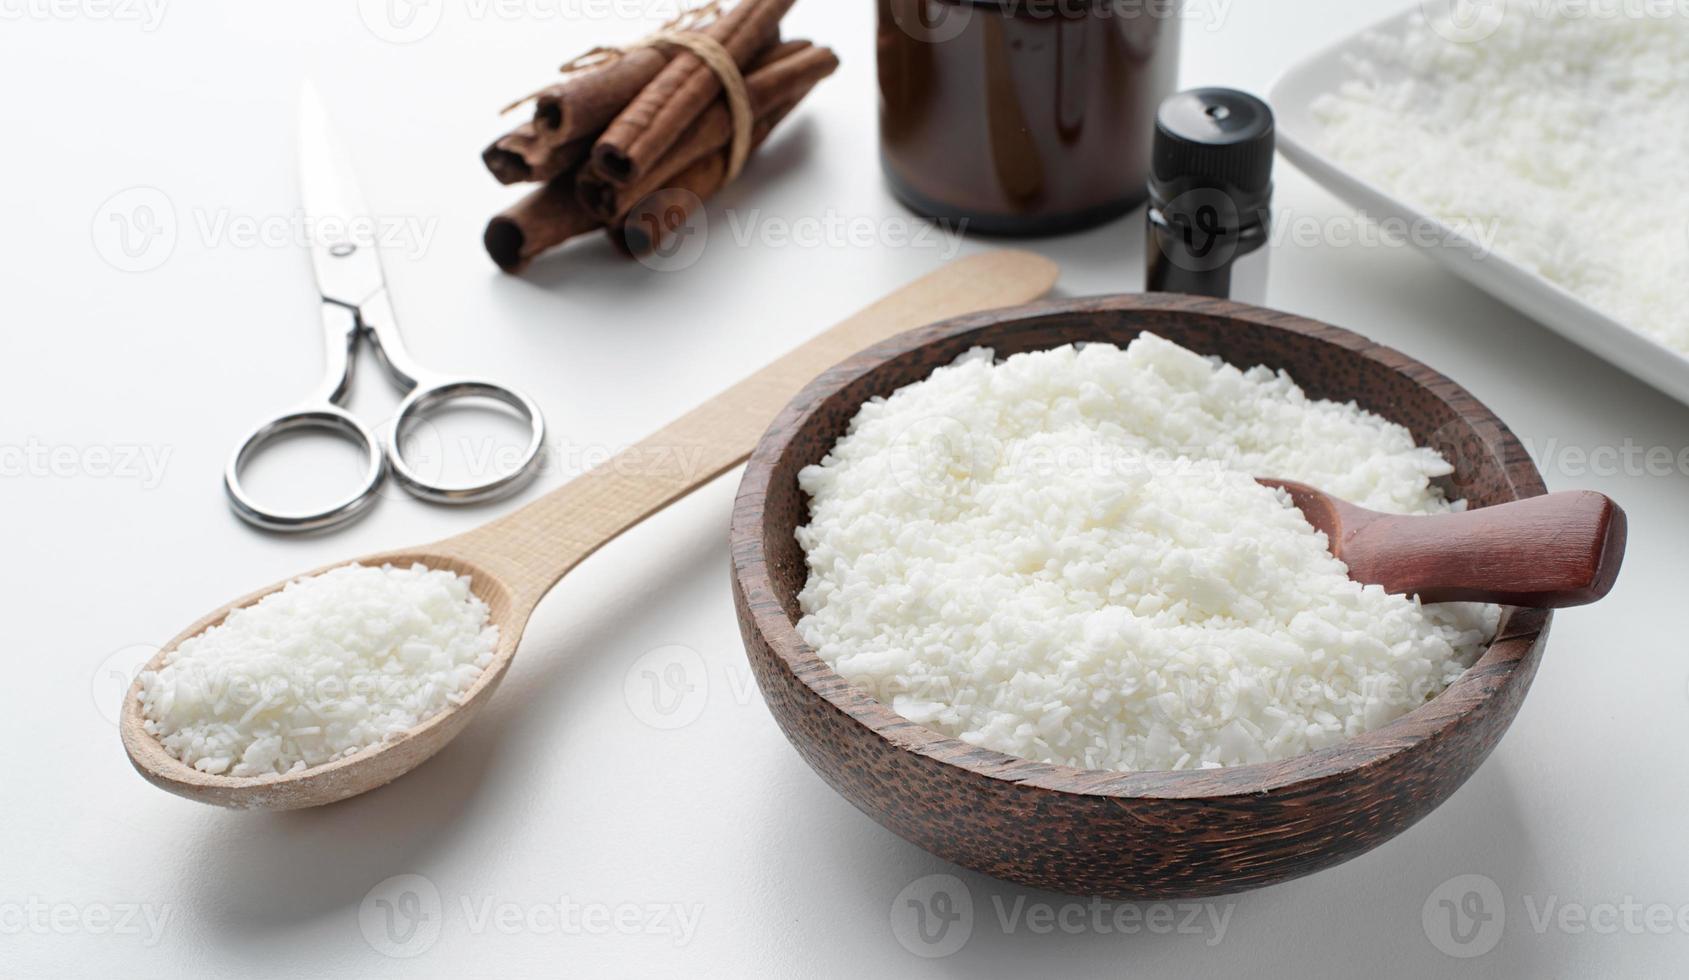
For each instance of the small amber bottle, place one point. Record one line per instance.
(1210, 195)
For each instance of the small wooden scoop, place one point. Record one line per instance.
(514, 561)
(1560, 549)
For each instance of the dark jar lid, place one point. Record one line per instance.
(1213, 139)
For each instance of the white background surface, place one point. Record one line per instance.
(562, 790)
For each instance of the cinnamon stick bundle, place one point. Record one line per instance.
(560, 210)
(659, 122)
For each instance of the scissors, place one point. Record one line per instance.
(356, 307)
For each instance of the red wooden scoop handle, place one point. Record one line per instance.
(1561, 549)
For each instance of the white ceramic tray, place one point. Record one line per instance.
(1292, 99)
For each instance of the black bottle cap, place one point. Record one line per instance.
(1213, 138)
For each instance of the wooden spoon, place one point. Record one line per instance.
(1559, 549)
(514, 561)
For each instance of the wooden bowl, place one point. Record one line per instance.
(1134, 835)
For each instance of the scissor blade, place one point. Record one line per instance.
(341, 226)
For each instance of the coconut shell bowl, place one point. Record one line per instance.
(1129, 835)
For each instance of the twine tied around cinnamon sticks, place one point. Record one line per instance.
(679, 110)
(711, 53)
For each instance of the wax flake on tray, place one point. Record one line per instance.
(1559, 139)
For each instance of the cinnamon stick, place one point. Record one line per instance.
(654, 220)
(680, 92)
(543, 220)
(779, 51)
(523, 154)
(787, 74)
(584, 104)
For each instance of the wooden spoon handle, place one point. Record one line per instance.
(535, 546)
(1561, 549)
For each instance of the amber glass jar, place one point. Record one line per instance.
(1022, 117)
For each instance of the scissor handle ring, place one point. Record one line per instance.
(430, 396)
(326, 418)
